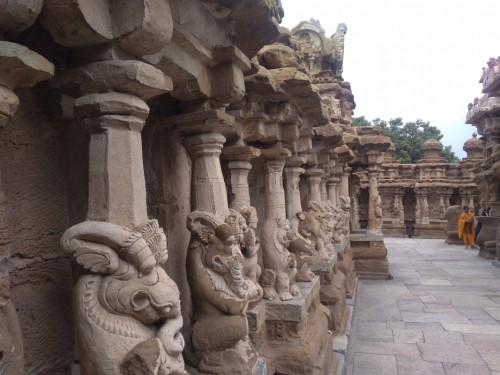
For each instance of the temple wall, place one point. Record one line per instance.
(32, 167)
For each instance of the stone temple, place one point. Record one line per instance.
(182, 189)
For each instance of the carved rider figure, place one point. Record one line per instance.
(220, 294)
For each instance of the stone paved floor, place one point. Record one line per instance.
(440, 315)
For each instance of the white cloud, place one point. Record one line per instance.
(411, 59)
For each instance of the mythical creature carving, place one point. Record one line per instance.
(345, 206)
(127, 309)
(279, 276)
(220, 294)
(331, 222)
(250, 244)
(304, 250)
(452, 214)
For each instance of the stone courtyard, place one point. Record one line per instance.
(439, 315)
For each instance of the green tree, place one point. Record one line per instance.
(409, 137)
(360, 121)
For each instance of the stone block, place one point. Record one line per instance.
(295, 310)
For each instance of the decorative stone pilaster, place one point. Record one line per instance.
(209, 190)
(425, 209)
(125, 304)
(344, 183)
(239, 166)
(19, 67)
(217, 271)
(324, 193)
(374, 225)
(313, 177)
(292, 173)
(332, 186)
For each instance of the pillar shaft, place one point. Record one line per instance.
(117, 190)
(209, 190)
(374, 225)
(239, 183)
(313, 177)
(294, 204)
(239, 166)
(275, 194)
(323, 191)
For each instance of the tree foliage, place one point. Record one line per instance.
(408, 138)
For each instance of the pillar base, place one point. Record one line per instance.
(370, 256)
(436, 229)
(293, 335)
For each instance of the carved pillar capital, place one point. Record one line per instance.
(19, 67)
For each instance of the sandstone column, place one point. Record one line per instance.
(332, 187)
(344, 186)
(275, 194)
(292, 173)
(374, 225)
(313, 176)
(119, 251)
(418, 208)
(239, 166)
(19, 67)
(324, 193)
(209, 189)
(425, 209)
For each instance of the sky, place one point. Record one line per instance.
(415, 59)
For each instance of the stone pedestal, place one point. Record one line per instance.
(291, 335)
(370, 256)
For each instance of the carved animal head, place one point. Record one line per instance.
(132, 283)
(238, 223)
(250, 215)
(308, 225)
(216, 237)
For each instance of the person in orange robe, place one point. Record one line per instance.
(466, 227)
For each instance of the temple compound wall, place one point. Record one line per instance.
(176, 190)
(416, 198)
(484, 114)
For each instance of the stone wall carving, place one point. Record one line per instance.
(279, 276)
(221, 294)
(124, 300)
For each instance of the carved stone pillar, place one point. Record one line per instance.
(425, 209)
(19, 67)
(374, 225)
(275, 194)
(313, 176)
(401, 211)
(442, 205)
(209, 190)
(239, 166)
(324, 193)
(125, 305)
(292, 173)
(344, 186)
(279, 274)
(332, 188)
